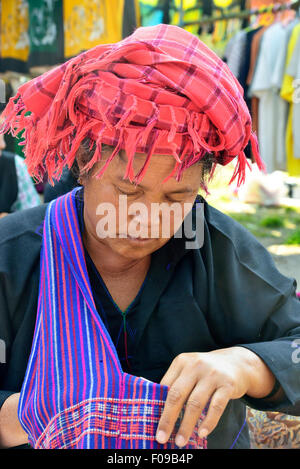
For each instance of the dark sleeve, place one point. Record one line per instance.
(20, 243)
(4, 395)
(8, 182)
(260, 307)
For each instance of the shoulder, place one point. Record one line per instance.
(21, 237)
(22, 224)
(224, 227)
(238, 252)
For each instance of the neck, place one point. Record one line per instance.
(110, 263)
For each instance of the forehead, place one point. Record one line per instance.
(158, 168)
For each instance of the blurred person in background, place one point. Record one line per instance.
(17, 191)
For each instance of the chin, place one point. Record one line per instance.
(136, 249)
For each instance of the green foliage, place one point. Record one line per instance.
(273, 221)
(294, 238)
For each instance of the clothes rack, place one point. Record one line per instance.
(295, 5)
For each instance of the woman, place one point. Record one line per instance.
(143, 338)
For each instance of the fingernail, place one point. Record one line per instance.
(179, 440)
(203, 433)
(161, 436)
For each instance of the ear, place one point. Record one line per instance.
(82, 157)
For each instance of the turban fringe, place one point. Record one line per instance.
(161, 90)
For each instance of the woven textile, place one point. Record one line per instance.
(273, 430)
(75, 394)
(161, 90)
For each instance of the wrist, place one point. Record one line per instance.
(258, 377)
(11, 431)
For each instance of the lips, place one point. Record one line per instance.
(135, 239)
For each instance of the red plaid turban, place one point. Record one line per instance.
(161, 90)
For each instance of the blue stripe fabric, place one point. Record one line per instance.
(75, 393)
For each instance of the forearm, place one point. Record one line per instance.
(11, 431)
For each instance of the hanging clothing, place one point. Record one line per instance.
(255, 46)
(88, 23)
(152, 12)
(45, 32)
(293, 70)
(14, 36)
(287, 93)
(235, 52)
(131, 17)
(243, 74)
(192, 10)
(75, 393)
(272, 111)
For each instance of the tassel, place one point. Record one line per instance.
(131, 142)
(240, 170)
(208, 124)
(174, 126)
(101, 111)
(81, 134)
(142, 171)
(255, 150)
(97, 153)
(178, 162)
(125, 120)
(11, 115)
(149, 126)
(193, 134)
(114, 153)
(212, 171)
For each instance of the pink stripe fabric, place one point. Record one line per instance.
(75, 393)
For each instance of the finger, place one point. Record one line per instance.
(172, 373)
(216, 409)
(177, 395)
(194, 407)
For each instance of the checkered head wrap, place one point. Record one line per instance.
(159, 91)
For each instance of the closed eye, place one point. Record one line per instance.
(128, 193)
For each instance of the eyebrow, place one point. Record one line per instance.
(182, 190)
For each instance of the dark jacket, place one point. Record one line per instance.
(228, 292)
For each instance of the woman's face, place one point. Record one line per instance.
(128, 219)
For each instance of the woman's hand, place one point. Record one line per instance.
(11, 431)
(218, 376)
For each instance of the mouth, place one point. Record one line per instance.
(136, 239)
